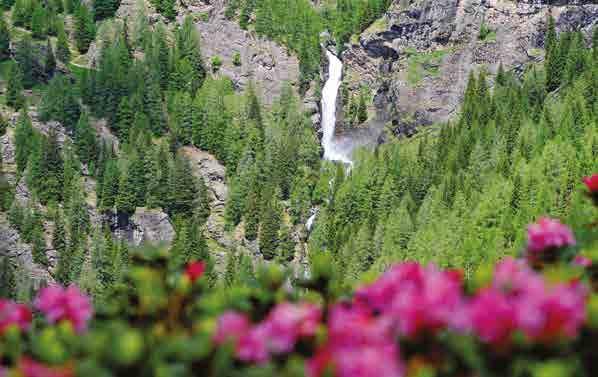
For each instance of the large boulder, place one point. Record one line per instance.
(151, 226)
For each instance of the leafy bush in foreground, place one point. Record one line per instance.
(535, 316)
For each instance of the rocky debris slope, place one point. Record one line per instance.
(417, 57)
(262, 61)
(20, 253)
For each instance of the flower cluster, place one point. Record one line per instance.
(65, 304)
(419, 299)
(520, 299)
(13, 314)
(277, 334)
(360, 344)
(545, 237)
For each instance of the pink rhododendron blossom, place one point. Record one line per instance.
(548, 234)
(417, 298)
(287, 322)
(195, 270)
(359, 344)
(582, 261)
(591, 183)
(548, 313)
(492, 317)
(278, 333)
(65, 304)
(253, 345)
(231, 326)
(31, 368)
(13, 314)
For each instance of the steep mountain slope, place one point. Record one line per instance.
(417, 58)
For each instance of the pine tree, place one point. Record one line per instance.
(127, 196)
(110, 185)
(38, 22)
(167, 9)
(84, 28)
(4, 39)
(271, 218)
(24, 142)
(59, 235)
(182, 188)
(27, 62)
(252, 219)
(50, 63)
(286, 245)
(21, 13)
(553, 64)
(85, 140)
(63, 52)
(104, 8)
(14, 87)
(8, 281)
(362, 110)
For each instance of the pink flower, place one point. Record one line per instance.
(548, 234)
(514, 275)
(13, 314)
(287, 322)
(416, 298)
(492, 316)
(195, 270)
(60, 304)
(31, 368)
(253, 345)
(547, 314)
(591, 183)
(582, 261)
(231, 326)
(359, 344)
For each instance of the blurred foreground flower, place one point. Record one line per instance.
(65, 304)
(546, 237)
(195, 270)
(31, 368)
(13, 314)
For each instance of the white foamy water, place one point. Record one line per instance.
(333, 148)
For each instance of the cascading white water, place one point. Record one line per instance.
(310, 221)
(332, 149)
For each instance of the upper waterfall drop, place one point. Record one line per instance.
(333, 150)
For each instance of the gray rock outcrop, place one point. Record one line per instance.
(266, 63)
(417, 57)
(151, 226)
(20, 253)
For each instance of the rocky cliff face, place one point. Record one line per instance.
(417, 58)
(262, 61)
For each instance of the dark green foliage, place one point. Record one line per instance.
(109, 187)
(553, 59)
(105, 8)
(22, 12)
(63, 52)
(8, 281)
(39, 22)
(46, 168)
(14, 87)
(269, 231)
(28, 62)
(362, 110)
(50, 63)
(182, 188)
(85, 140)
(59, 103)
(24, 140)
(85, 29)
(4, 39)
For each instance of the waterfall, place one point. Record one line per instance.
(333, 149)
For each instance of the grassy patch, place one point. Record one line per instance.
(378, 26)
(423, 64)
